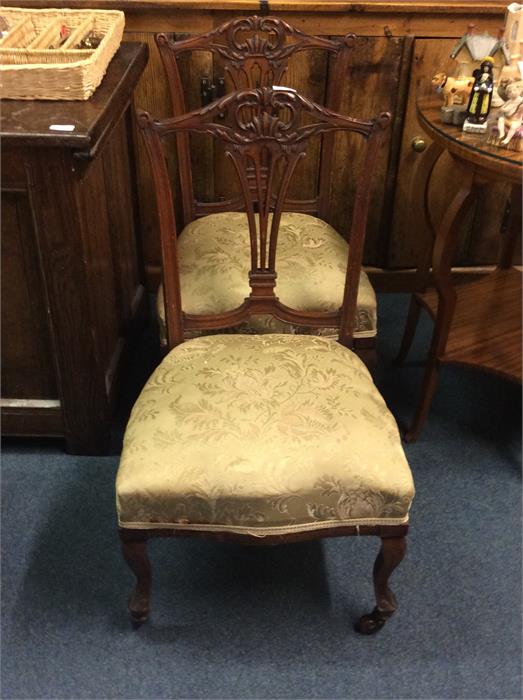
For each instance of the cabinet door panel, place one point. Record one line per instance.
(27, 361)
(372, 87)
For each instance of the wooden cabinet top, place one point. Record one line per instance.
(344, 6)
(28, 122)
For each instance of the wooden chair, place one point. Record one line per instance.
(255, 52)
(262, 439)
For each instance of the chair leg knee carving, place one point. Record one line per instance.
(389, 557)
(135, 554)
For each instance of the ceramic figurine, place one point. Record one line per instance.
(473, 47)
(505, 127)
(514, 125)
(455, 91)
(510, 112)
(480, 98)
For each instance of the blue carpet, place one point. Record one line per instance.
(233, 622)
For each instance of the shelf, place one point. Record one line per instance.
(486, 326)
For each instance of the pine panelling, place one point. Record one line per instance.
(194, 66)
(372, 87)
(170, 20)
(307, 73)
(316, 22)
(382, 24)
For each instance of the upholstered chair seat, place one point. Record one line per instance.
(262, 434)
(312, 257)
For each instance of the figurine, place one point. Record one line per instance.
(455, 91)
(505, 129)
(511, 111)
(473, 47)
(480, 98)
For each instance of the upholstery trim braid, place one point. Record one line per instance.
(265, 531)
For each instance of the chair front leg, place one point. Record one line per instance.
(390, 555)
(134, 549)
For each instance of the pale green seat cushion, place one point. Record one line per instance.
(262, 434)
(311, 262)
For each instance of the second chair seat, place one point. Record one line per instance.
(262, 434)
(312, 261)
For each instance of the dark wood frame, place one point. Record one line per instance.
(259, 60)
(265, 133)
(500, 351)
(392, 551)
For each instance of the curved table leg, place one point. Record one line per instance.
(443, 254)
(419, 196)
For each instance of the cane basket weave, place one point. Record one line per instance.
(30, 70)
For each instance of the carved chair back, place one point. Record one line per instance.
(255, 52)
(265, 133)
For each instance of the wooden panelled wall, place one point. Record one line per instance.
(398, 49)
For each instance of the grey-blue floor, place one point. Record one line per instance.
(233, 622)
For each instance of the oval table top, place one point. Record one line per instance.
(469, 147)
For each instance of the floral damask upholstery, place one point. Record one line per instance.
(311, 261)
(261, 434)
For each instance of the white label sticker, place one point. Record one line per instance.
(62, 127)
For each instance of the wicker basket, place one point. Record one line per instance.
(31, 70)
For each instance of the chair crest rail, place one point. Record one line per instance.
(257, 59)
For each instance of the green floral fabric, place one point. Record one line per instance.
(311, 262)
(261, 434)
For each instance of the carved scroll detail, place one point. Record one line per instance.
(260, 59)
(266, 114)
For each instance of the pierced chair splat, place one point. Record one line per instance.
(269, 438)
(256, 52)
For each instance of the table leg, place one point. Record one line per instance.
(443, 254)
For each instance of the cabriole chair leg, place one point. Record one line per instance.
(134, 549)
(390, 555)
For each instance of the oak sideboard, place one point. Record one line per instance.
(72, 277)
